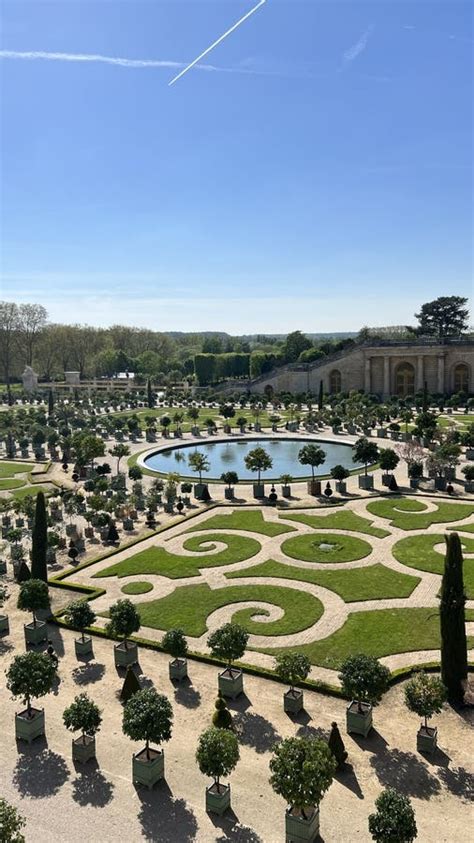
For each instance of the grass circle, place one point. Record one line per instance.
(137, 587)
(326, 547)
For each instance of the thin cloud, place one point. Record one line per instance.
(353, 52)
(40, 55)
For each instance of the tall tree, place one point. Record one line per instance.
(8, 332)
(452, 621)
(446, 316)
(31, 321)
(39, 569)
(295, 343)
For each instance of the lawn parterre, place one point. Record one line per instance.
(326, 547)
(137, 588)
(419, 552)
(409, 514)
(9, 468)
(252, 520)
(346, 520)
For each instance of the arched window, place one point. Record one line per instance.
(404, 380)
(335, 381)
(461, 378)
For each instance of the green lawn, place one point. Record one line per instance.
(204, 413)
(409, 514)
(346, 520)
(418, 552)
(373, 583)
(242, 520)
(137, 588)
(157, 560)
(308, 548)
(379, 633)
(31, 490)
(189, 606)
(7, 483)
(10, 468)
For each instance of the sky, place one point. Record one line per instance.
(314, 174)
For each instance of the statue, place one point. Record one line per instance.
(30, 379)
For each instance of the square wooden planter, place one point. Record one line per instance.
(366, 482)
(218, 801)
(148, 771)
(299, 829)
(29, 728)
(286, 491)
(341, 487)
(229, 494)
(3, 566)
(199, 490)
(293, 701)
(314, 487)
(231, 682)
(4, 624)
(359, 722)
(259, 490)
(83, 749)
(36, 634)
(178, 669)
(427, 739)
(83, 648)
(125, 655)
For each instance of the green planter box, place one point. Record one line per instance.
(125, 655)
(427, 740)
(148, 771)
(314, 487)
(293, 701)
(29, 728)
(83, 750)
(83, 648)
(229, 494)
(3, 566)
(199, 490)
(231, 682)
(286, 491)
(217, 802)
(301, 830)
(178, 669)
(359, 722)
(4, 625)
(36, 634)
(259, 490)
(366, 482)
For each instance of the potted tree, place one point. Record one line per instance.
(83, 715)
(291, 669)
(198, 462)
(124, 620)
(30, 675)
(4, 625)
(364, 680)
(228, 643)
(285, 481)
(231, 478)
(468, 471)
(217, 755)
(388, 461)
(340, 475)
(302, 769)
(174, 643)
(258, 460)
(80, 615)
(148, 716)
(314, 456)
(425, 695)
(394, 818)
(365, 452)
(415, 473)
(32, 597)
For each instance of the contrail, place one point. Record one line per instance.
(219, 40)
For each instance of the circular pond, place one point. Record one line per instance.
(230, 456)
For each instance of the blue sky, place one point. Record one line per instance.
(317, 178)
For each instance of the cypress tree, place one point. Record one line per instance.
(320, 396)
(50, 403)
(149, 393)
(39, 570)
(452, 621)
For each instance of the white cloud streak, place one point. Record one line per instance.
(353, 52)
(40, 55)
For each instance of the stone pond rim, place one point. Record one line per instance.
(228, 455)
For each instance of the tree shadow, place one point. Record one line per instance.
(302, 717)
(55, 636)
(90, 787)
(459, 782)
(39, 774)
(406, 773)
(241, 703)
(5, 647)
(255, 731)
(374, 742)
(347, 777)
(306, 731)
(232, 830)
(185, 694)
(164, 818)
(88, 673)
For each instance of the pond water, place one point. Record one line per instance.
(230, 455)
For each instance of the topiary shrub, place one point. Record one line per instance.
(228, 643)
(302, 769)
(394, 819)
(364, 679)
(222, 718)
(83, 715)
(336, 745)
(292, 668)
(130, 685)
(80, 615)
(33, 596)
(217, 754)
(425, 695)
(174, 643)
(148, 716)
(30, 675)
(124, 620)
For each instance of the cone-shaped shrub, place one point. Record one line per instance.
(130, 685)
(24, 572)
(336, 745)
(452, 621)
(222, 718)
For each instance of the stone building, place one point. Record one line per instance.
(381, 367)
